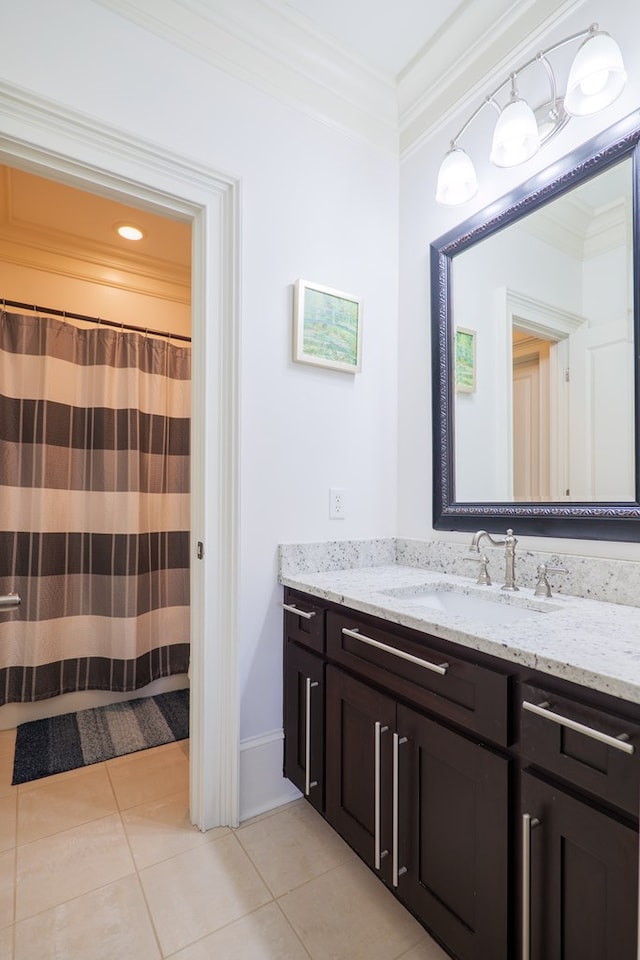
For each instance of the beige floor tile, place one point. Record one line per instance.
(263, 935)
(6, 943)
(111, 923)
(347, 914)
(427, 949)
(268, 813)
(6, 775)
(70, 864)
(63, 804)
(201, 890)
(162, 829)
(149, 775)
(293, 846)
(7, 741)
(8, 812)
(7, 887)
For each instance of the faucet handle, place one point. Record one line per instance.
(483, 574)
(543, 587)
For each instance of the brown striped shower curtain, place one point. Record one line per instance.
(94, 508)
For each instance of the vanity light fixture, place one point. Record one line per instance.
(129, 232)
(596, 78)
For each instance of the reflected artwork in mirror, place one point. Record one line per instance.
(547, 441)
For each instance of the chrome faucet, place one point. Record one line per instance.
(509, 544)
(543, 587)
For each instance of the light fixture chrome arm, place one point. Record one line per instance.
(517, 138)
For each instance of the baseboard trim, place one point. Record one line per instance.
(262, 786)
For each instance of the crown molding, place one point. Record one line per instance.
(461, 62)
(272, 47)
(579, 230)
(65, 264)
(260, 43)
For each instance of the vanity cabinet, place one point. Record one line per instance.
(304, 698)
(510, 834)
(581, 900)
(426, 808)
(578, 804)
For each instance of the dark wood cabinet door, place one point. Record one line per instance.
(358, 719)
(304, 722)
(453, 837)
(583, 899)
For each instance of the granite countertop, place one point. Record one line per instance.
(590, 642)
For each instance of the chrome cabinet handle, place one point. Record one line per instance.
(377, 854)
(9, 601)
(397, 870)
(528, 823)
(308, 782)
(542, 710)
(440, 668)
(291, 608)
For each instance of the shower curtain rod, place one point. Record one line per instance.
(98, 320)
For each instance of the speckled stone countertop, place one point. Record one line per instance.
(589, 642)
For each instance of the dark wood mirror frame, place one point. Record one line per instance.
(586, 521)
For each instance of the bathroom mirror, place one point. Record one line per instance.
(535, 343)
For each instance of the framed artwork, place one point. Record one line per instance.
(327, 327)
(465, 359)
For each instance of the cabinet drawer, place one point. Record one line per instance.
(472, 696)
(303, 621)
(589, 748)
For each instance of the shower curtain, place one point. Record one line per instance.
(94, 508)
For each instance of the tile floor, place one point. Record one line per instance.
(102, 864)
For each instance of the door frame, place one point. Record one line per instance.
(51, 140)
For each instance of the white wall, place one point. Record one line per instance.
(316, 205)
(423, 221)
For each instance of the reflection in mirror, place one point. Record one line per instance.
(536, 353)
(550, 300)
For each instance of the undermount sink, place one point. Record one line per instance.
(487, 608)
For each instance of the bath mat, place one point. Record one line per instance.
(57, 744)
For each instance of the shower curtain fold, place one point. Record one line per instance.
(94, 508)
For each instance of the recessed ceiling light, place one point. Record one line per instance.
(129, 232)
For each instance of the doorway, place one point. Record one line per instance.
(102, 159)
(531, 419)
(116, 626)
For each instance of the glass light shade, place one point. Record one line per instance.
(597, 76)
(515, 138)
(457, 181)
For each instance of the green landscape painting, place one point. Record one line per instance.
(465, 345)
(330, 327)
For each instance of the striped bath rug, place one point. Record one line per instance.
(57, 744)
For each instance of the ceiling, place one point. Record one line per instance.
(386, 34)
(49, 225)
